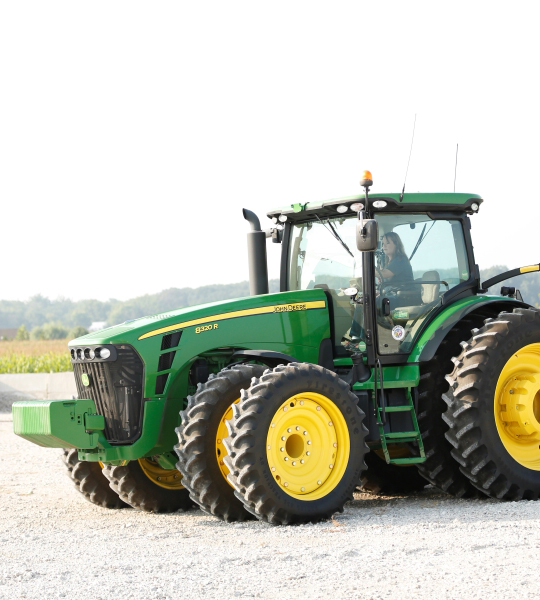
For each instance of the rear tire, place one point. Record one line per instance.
(90, 481)
(200, 448)
(296, 446)
(494, 407)
(390, 480)
(136, 484)
(440, 467)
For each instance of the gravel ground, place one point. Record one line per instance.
(55, 544)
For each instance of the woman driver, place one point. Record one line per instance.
(397, 269)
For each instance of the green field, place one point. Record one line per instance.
(34, 357)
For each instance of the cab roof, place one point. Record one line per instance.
(425, 202)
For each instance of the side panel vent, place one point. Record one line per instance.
(171, 341)
(166, 361)
(161, 382)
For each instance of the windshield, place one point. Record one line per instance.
(419, 259)
(319, 259)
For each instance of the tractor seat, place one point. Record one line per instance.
(430, 283)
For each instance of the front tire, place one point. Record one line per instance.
(494, 407)
(200, 448)
(144, 485)
(90, 481)
(296, 445)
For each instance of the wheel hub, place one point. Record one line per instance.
(517, 406)
(170, 479)
(308, 446)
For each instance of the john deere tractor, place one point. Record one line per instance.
(382, 362)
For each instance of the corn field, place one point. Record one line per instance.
(47, 356)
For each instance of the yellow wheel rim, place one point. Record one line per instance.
(517, 406)
(170, 479)
(308, 446)
(222, 433)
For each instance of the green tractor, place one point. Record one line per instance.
(382, 362)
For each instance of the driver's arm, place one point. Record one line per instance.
(386, 274)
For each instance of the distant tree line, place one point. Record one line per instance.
(50, 318)
(40, 312)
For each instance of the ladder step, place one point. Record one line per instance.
(391, 409)
(402, 435)
(408, 461)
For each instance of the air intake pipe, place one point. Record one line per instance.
(258, 267)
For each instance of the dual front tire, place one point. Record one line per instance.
(292, 450)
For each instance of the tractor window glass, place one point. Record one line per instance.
(323, 255)
(419, 260)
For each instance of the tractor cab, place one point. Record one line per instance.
(381, 300)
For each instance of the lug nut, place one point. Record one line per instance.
(218, 441)
(318, 408)
(286, 484)
(289, 430)
(283, 438)
(268, 447)
(301, 403)
(331, 466)
(286, 458)
(330, 423)
(282, 449)
(273, 468)
(307, 453)
(303, 489)
(309, 442)
(273, 424)
(319, 482)
(294, 463)
(285, 408)
(335, 444)
(305, 432)
(302, 461)
(297, 428)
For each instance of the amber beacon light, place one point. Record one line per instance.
(367, 179)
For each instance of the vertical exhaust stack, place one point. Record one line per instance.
(258, 267)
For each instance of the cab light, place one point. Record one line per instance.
(357, 207)
(282, 218)
(367, 179)
(379, 204)
(475, 207)
(342, 208)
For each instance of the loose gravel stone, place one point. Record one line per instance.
(55, 544)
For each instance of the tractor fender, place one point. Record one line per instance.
(269, 358)
(430, 340)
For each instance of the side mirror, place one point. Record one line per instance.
(367, 235)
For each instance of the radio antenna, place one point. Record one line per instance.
(455, 168)
(408, 162)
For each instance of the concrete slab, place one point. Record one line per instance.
(41, 386)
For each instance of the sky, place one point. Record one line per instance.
(133, 133)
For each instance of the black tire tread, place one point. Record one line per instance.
(135, 489)
(440, 467)
(389, 480)
(250, 488)
(90, 481)
(207, 488)
(476, 458)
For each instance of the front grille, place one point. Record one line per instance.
(116, 387)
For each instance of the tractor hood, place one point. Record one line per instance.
(199, 316)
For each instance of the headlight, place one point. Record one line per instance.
(103, 352)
